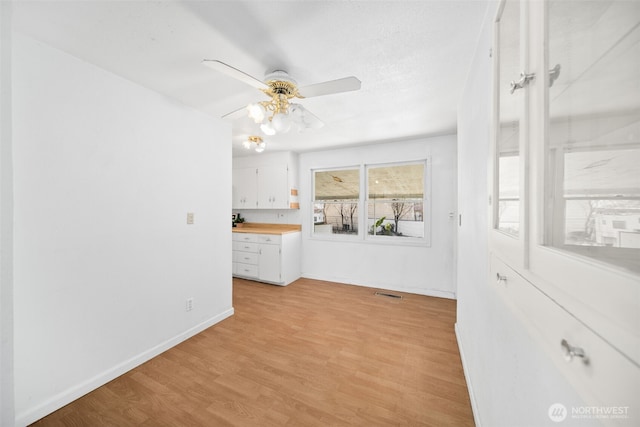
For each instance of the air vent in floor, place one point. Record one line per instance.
(384, 294)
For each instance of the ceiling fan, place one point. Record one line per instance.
(279, 114)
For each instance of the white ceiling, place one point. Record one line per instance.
(411, 56)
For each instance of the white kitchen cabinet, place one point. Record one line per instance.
(245, 188)
(269, 258)
(265, 182)
(245, 255)
(273, 187)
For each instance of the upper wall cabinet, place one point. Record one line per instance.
(245, 188)
(265, 182)
(565, 163)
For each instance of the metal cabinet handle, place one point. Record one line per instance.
(554, 73)
(524, 80)
(500, 279)
(570, 352)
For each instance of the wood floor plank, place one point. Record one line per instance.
(313, 353)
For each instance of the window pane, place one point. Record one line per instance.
(396, 182)
(396, 200)
(336, 197)
(593, 150)
(509, 110)
(341, 184)
(399, 218)
(335, 217)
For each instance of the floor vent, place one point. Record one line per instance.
(383, 294)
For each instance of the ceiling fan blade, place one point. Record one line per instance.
(345, 84)
(234, 72)
(236, 114)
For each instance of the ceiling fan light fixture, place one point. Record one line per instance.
(281, 89)
(257, 112)
(267, 128)
(261, 146)
(281, 122)
(254, 142)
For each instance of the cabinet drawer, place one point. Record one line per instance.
(245, 257)
(604, 377)
(246, 270)
(270, 239)
(245, 247)
(245, 237)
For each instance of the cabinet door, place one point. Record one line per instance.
(273, 187)
(509, 210)
(245, 188)
(588, 224)
(269, 265)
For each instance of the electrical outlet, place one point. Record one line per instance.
(189, 218)
(189, 305)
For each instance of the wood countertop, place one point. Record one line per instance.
(263, 228)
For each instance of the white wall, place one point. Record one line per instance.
(415, 269)
(512, 382)
(105, 173)
(6, 221)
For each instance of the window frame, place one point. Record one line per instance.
(335, 236)
(363, 205)
(426, 205)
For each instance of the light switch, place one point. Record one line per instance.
(189, 218)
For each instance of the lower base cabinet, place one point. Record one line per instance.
(269, 258)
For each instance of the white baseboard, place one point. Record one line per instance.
(64, 398)
(472, 397)
(386, 286)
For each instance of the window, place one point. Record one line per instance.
(385, 202)
(396, 200)
(336, 200)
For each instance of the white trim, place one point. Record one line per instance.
(79, 390)
(383, 286)
(465, 369)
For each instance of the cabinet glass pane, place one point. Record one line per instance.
(592, 202)
(509, 110)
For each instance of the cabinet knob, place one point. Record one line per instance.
(570, 352)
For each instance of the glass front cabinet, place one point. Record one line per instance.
(565, 193)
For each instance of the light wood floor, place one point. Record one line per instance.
(310, 354)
